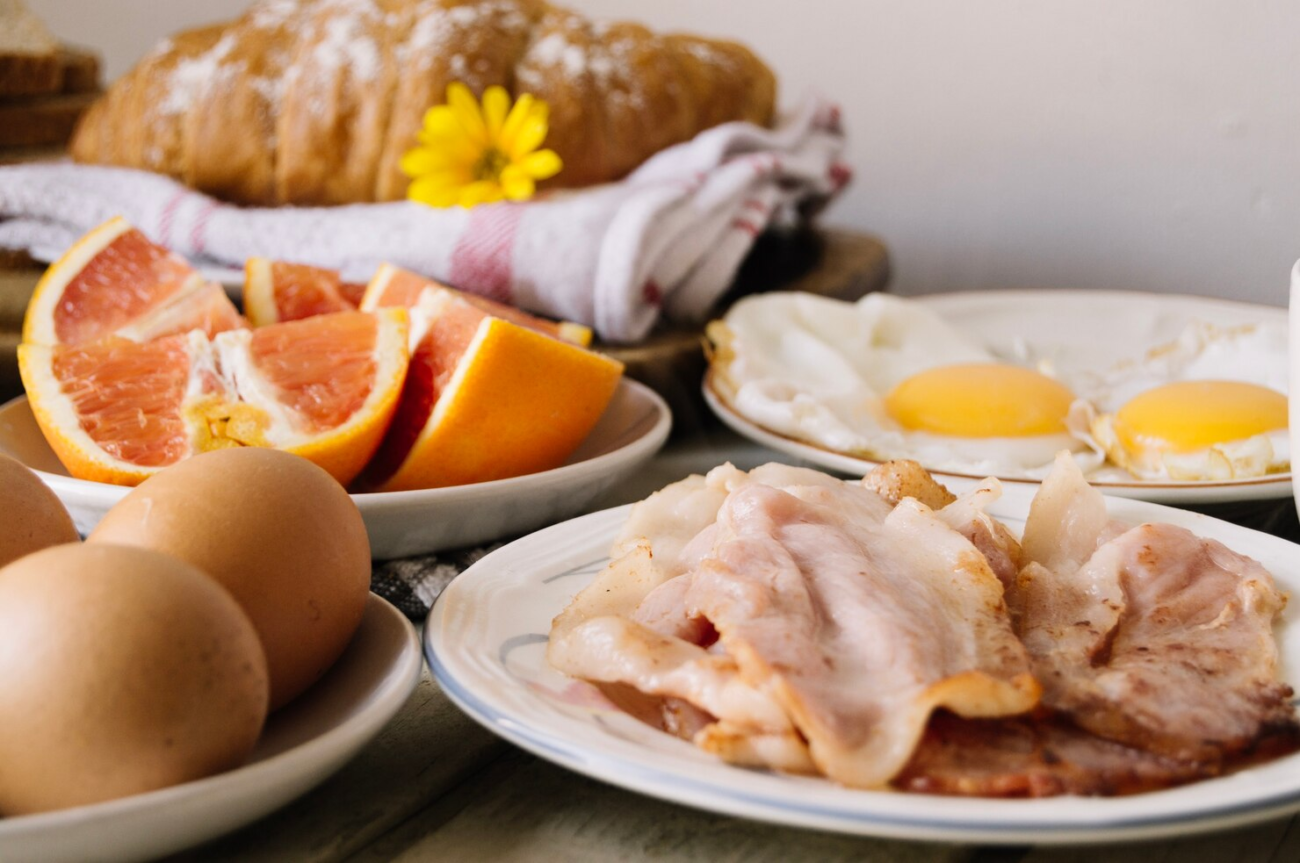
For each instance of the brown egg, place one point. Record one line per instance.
(124, 670)
(281, 535)
(33, 517)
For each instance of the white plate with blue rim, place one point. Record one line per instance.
(486, 637)
(404, 523)
(1072, 329)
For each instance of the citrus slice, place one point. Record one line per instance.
(205, 308)
(393, 286)
(115, 281)
(325, 388)
(280, 291)
(353, 292)
(486, 399)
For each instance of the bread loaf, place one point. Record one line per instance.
(314, 102)
(29, 61)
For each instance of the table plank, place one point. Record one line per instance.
(1272, 842)
(522, 808)
(429, 747)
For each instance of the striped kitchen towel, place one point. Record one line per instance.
(665, 241)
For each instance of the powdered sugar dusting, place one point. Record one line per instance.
(164, 46)
(555, 50)
(605, 61)
(272, 13)
(270, 89)
(438, 32)
(706, 53)
(346, 42)
(193, 76)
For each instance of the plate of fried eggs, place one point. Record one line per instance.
(1172, 399)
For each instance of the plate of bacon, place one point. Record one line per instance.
(883, 658)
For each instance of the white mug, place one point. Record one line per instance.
(1293, 376)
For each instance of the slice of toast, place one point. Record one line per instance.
(29, 53)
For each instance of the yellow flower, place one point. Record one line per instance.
(472, 155)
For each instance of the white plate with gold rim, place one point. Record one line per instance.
(1076, 329)
(301, 745)
(486, 637)
(405, 523)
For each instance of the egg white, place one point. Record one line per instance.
(1253, 353)
(818, 370)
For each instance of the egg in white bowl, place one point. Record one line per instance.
(887, 378)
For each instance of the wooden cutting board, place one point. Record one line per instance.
(841, 264)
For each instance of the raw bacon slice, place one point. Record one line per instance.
(629, 627)
(1155, 638)
(860, 620)
(1032, 758)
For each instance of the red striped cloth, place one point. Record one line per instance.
(666, 241)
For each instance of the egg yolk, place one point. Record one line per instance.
(981, 400)
(1192, 415)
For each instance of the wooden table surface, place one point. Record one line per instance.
(434, 785)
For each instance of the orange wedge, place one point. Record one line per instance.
(486, 398)
(393, 286)
(325, 388)
(277, 291)
(114, 281)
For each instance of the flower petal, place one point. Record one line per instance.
(424, 160)
(518, 114)
(465, 106)
(447, 177)
(481, 192)
(531, 135)
(541, 165)
(453, 144)
(496, 106)
(440, 122)
(516, 184)
(435, 194)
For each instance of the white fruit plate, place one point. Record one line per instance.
(406, 523)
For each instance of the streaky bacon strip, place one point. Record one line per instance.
(829, 600)
(789, 620)
(1157, 638)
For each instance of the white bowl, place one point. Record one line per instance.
(406, 523)
(300, 746)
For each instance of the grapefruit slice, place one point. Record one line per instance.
(486, 399)
(115, 281)
(280, 291)
(393, 286)
(325, 388)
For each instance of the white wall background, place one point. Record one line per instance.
(1001, 143)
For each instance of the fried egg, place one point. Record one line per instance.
(887, 378)
(1211, 405)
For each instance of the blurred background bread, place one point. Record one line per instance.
(315, 102)
(29, 61)
(44, 86)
